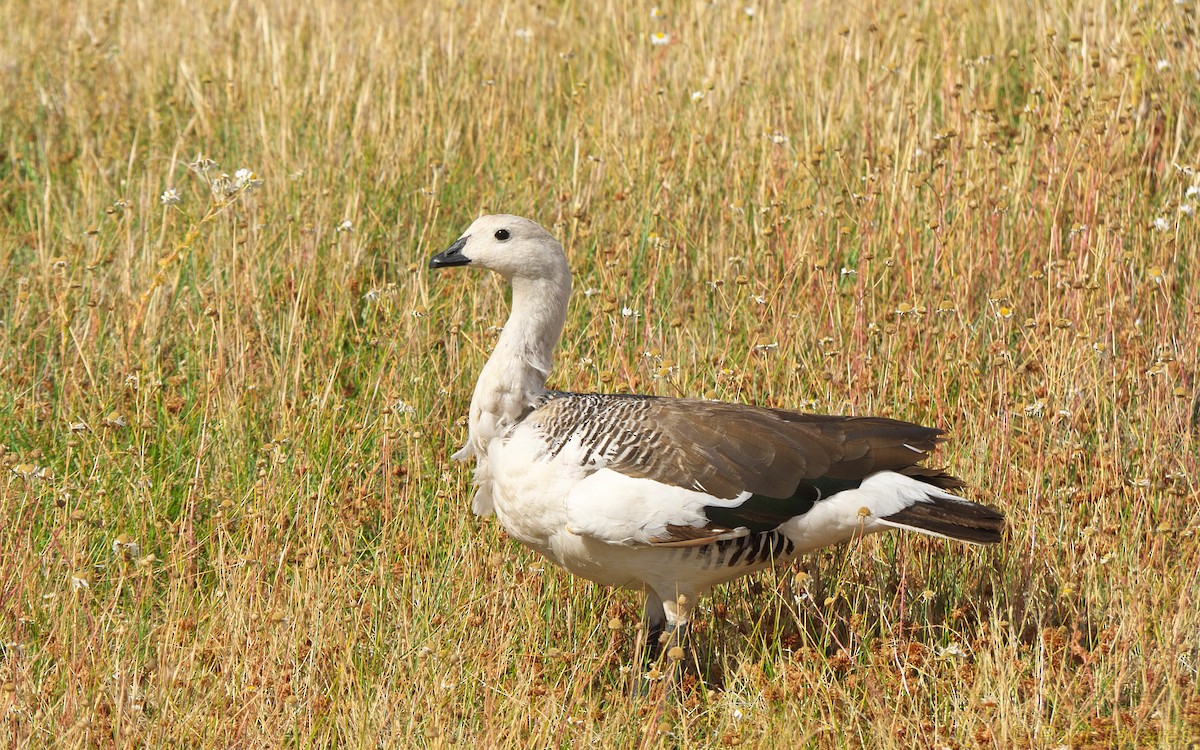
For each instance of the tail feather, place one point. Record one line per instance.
(952, 518)
(937, 477)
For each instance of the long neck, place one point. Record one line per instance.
(515, 375)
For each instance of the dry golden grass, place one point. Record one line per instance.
(227, 515)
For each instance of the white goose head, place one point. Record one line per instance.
(515, 248)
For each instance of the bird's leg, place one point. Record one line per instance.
(666, 627)
(673, 640)
(647, 652)
(654, 620)
(678, 613)
(674, 636)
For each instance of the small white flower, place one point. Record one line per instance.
(1162, 224)
(848, 271)
(657, 13)
(1036, 409)
(738, 715)
(80, 581)
(954, 650)
(1186, 209)
(244, 179)
(523, 34)
(371, 295)
(697, 95)
(124, 543)
(760, 300)
(402, 408)
(779, 139)
(1164, 65)
(345, 226)
(590, 291)
(170, 197)
(660, 39)
(1192, 191)
(750, 10)
(629, 312)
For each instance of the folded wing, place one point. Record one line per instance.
(678, 472)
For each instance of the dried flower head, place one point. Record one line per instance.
(202, 165)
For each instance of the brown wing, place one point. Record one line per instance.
(728, 449)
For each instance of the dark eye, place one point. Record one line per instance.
(502, 234)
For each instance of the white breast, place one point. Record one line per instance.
(530, 489)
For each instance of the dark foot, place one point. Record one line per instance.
(654, 643)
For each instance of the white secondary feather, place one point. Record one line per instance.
(619, 509)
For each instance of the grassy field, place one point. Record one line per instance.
(227, 513)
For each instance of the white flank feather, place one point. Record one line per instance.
(619, 509)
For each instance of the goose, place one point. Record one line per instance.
(672, 496)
